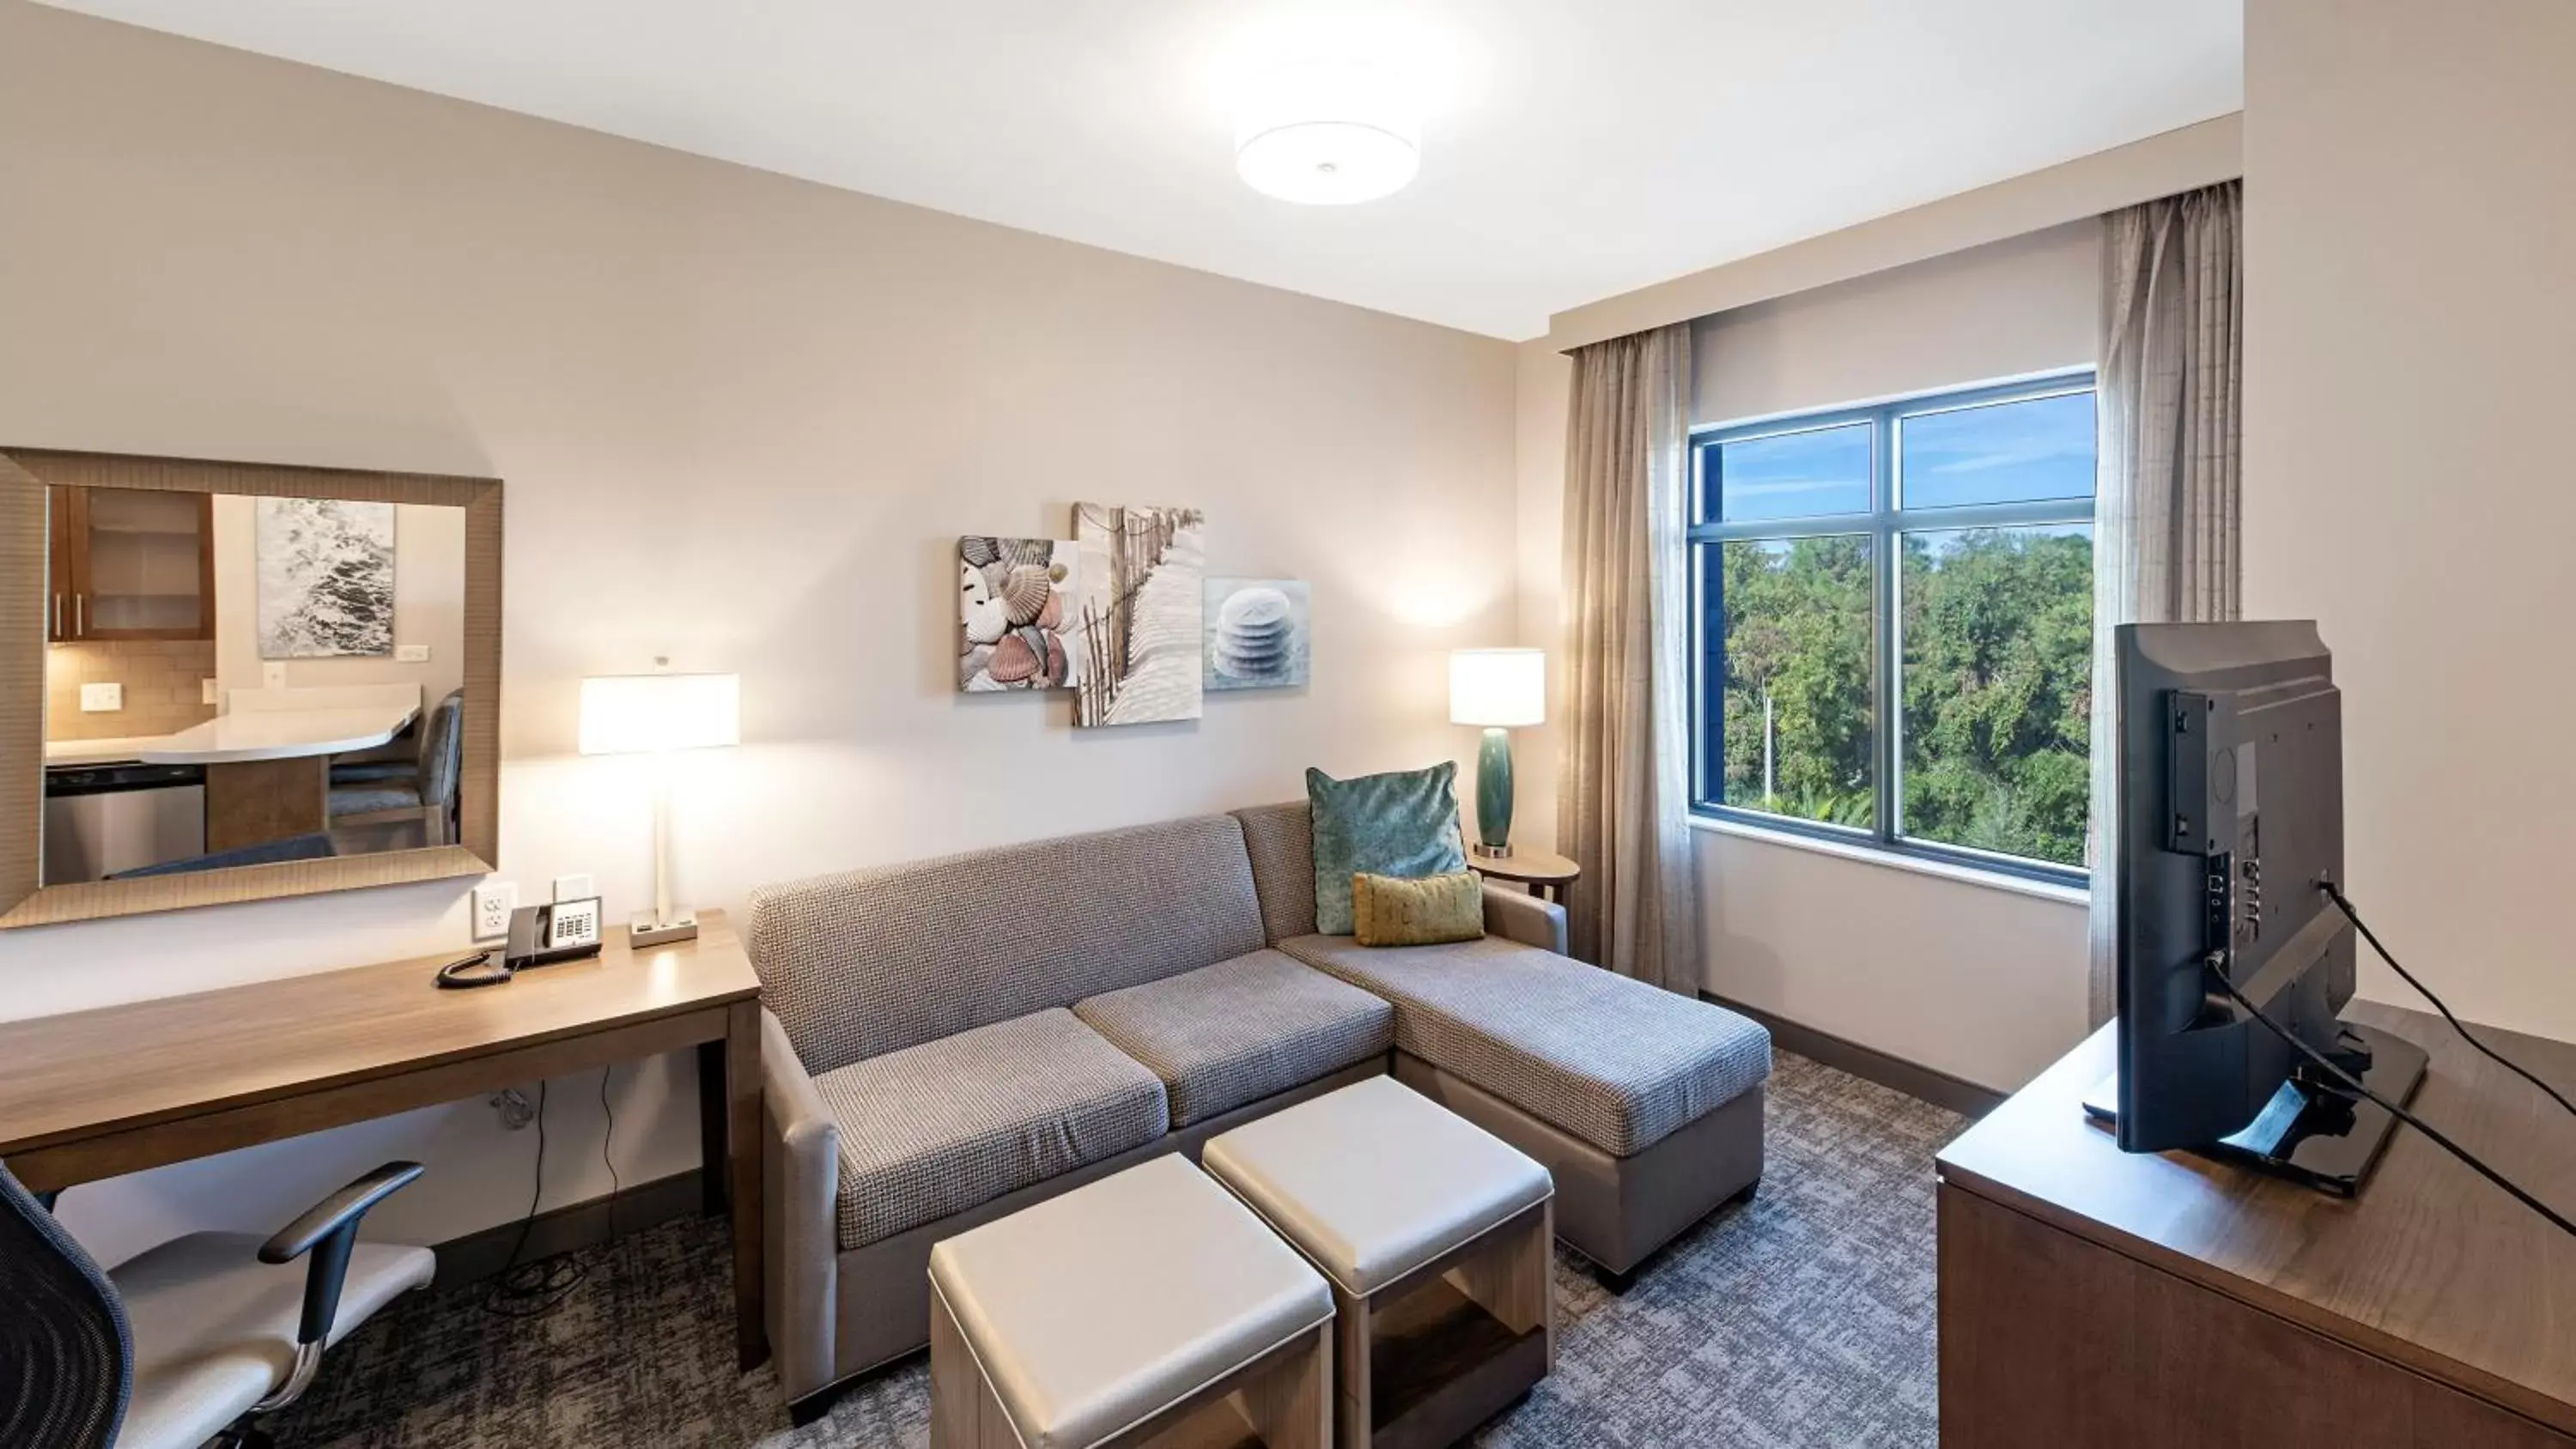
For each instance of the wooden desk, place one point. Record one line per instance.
(96, 1094)
(2091, 1296)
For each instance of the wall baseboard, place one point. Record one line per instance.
(584, 1224)
(1870, 1064)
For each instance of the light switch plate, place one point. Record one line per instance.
(206, 691)
(493, 903)
(574, 887)
(272, 675)
(96, 698)
(411, 654)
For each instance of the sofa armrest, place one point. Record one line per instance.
(801, 1161)
(1515, 916)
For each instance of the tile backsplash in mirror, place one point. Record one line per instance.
(163, 682)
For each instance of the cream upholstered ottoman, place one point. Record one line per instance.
(1435, 1233)
(1148, 1308)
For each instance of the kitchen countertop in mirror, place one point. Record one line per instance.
(281, 734)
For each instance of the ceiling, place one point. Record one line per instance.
(1571, 151)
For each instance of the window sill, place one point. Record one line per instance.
(1992, 880)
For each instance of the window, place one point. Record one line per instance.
(1896, 624)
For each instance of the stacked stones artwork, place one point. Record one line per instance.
(1257, 634)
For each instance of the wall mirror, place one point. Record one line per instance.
(227, 682)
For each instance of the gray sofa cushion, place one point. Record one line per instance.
(872, 961)
(938, 1128)
(1236, 1032)
(1615, 1062)
(1281, 841)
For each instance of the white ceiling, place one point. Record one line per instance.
(1571, 150)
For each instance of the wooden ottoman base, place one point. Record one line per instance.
(1427, 1358)
(1283, 1399)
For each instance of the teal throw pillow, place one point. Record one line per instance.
(1403, 824)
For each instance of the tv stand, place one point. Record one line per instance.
(2313, 1131)
(2120, 1300)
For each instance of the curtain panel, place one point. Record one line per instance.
(1623, 793)
(2171, 390)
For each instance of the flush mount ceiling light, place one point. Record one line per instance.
(1327, 135)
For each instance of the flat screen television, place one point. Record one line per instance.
(2230, 740)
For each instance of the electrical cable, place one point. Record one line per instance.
(527, 1290)
(2336, 895)
(616, 1184)
(2353, 1086)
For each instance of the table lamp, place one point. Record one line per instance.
(1500, 689)
(631, 714)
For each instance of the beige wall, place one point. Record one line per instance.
(1980, 981)
(429, 605)
(742, 421)
(2410, 195)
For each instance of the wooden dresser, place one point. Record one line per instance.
(2094, 1297)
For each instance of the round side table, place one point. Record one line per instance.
(1546, 874)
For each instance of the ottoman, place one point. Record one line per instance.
(1435, 1234)
(1146, 1309)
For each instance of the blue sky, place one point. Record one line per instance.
(2001, 453)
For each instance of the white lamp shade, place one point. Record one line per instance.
(1506, 687)
(627, 714)
(1326, 135)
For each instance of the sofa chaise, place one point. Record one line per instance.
(949, 1041)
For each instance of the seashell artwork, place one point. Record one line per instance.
(1258, 633)
(1013, 596)
(983, 616)
(1026, 591)
(1014, 662)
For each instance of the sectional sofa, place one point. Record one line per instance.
(951, 1040)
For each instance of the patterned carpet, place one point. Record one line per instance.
(1804, 1318)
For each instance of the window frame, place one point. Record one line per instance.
(1885, 525)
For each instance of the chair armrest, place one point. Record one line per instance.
(801, 1161)
(328, 1231)
(1524, 918)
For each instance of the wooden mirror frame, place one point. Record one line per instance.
(24, 475)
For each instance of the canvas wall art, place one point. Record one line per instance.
(1140, 576)
(1015, 601)
(1257, 634)
(325, 570)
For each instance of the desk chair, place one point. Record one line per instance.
(185, 1343)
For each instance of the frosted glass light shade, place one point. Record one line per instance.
(1326, 135)
(626, 714)
(1498, 687)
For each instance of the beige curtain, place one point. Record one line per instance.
(1622, 793)
(2165, 530)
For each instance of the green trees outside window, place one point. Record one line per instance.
(1983, 600)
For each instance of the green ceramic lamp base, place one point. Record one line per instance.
(1494, 794)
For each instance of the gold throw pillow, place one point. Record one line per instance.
(1388, 911)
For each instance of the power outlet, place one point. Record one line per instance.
(99, 698)
(493, 903)
(574, 887)
(411, 654)
(205, 691)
